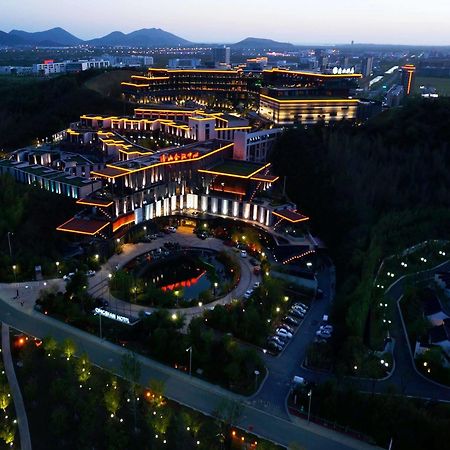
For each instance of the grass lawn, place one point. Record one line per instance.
(441, 84)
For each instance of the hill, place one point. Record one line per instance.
(260, 43)
(371, 191)
(63, 99)
(53, 37)
(7, 39)
(146, 37)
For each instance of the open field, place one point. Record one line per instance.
(441, 84)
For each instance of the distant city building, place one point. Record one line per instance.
(394, 96)
(367, 66)
(129, 60)
(221, 56)
(407, 72)
(49, 67)
(184, 63)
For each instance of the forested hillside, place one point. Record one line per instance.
(370, 191)
(32, 108)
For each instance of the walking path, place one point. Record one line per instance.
(22, 420)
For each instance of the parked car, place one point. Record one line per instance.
(273, 345)
(291, 321)
(68, 276)
(278, 340)
(243, 253)
(302, 305)
(295, 313)
(172, 229)
(283, 332)
(287, 328)
(90, 273)
(248, 294)
(256, 285)
(254, 262)
(299, 308)
(328, 328)
(323, 334)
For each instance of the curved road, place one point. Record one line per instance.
(179, 387)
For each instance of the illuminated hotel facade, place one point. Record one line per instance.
(283, 97)
(290, 97)
(208, 170)
(214, 87)
(201, 178)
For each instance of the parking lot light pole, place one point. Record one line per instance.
(190, 360)
(309, 404)
(256, 379)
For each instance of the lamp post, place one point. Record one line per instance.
(256, 379)
(309, 404)
(190, 360)
(109, 289)
(57, 268)
(215, 287)
(9, 234)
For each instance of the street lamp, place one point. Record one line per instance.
(215, 287)
(256, 379)
(9, 234)
(309, 404)
(109, 288)
(57, 267)
(190, 360)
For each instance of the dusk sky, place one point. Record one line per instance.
(327, 21)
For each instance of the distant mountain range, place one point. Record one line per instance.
(147, 37)
(259, 44)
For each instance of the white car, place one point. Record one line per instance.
(68, 276)
(172, 229)
(302, 305)
(256, 285)
(243, 253)
(90, 273)
(283, 332)
(248, 293)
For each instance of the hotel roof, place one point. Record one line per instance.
(234, 168)
(83, 226)
(290, 215)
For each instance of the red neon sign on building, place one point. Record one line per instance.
(179, 157)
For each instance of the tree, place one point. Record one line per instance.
(83, 368)
(112, 398)
(131, 369)
(69, 348)
(5, 398)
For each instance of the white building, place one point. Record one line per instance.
(255, 145)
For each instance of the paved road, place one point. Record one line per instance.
(283, 367)
(180, 387)
(22, 420)
(98, 285)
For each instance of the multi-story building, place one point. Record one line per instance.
(200, 178)
(49, 67)
(184, 63)
(221, 56)
(408, 72)
(212, 87)
(289, 97)
(50, 179)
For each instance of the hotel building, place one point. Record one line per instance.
(209, 87)
(290, 97)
